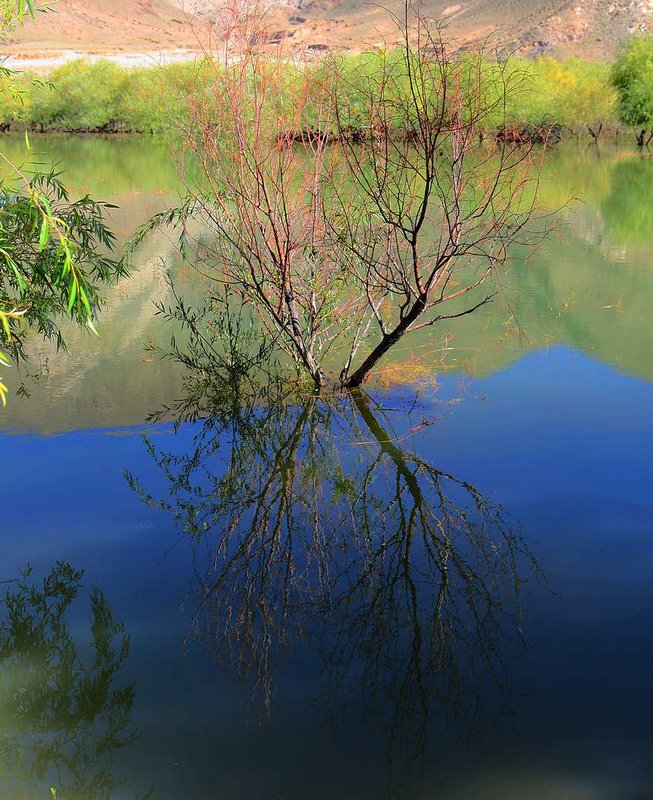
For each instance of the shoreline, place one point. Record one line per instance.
(147, 58)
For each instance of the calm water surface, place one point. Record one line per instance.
(442, 592)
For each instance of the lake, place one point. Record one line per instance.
(442, 590)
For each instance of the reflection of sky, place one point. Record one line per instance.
(563, 442)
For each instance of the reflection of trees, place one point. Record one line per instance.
(628, 211)
(314, 521)
(430, 591)
(406, 574)
(61, 714)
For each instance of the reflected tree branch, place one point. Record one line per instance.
(406, 578)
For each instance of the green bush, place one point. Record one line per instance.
(82, 97)
(158, 99)
(633, 78)
(103, 96)
(573, 93)
(15, 96)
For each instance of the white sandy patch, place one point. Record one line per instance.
(50, 60)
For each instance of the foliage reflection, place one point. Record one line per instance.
(62, 715)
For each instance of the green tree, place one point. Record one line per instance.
(53, 252)
(51, 258)
(573, 93)
(632, 76)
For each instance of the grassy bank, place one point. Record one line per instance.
(578, 97)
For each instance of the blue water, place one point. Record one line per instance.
(562, 443)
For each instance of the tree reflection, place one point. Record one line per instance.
(62, 715)
(313, 520)
(627, 210)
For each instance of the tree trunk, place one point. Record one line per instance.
(595, 133)
(304, 352)
(388, 341)
(640, 138)
(384, 440)
(314, 370)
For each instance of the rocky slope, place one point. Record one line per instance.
(587, 28)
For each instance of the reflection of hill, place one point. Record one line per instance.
(589, 287)
(595, 304)
(107, 380)
(574, 293)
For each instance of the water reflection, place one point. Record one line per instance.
(318, 527)
(63, 710)
(627, 210)
(590, 287)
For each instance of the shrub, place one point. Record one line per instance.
(632, 76)
(82, 97)
(576, 94)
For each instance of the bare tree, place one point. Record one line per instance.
(346, 237)
(434, 212)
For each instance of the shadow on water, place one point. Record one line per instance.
(316, 525)
(63, 714)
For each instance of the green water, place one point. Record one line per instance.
(590, 286)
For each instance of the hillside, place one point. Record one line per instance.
(587, 28)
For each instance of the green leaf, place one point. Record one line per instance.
(84, 297)
(72, 294)
(17, 273)
(6, 326)
(44, 238)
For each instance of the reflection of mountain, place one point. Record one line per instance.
(572, 293)
(110, 379)
(315, 524)
(590, 287)
(592, 303)
(61, 714)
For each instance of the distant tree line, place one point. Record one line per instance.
(580, 98)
